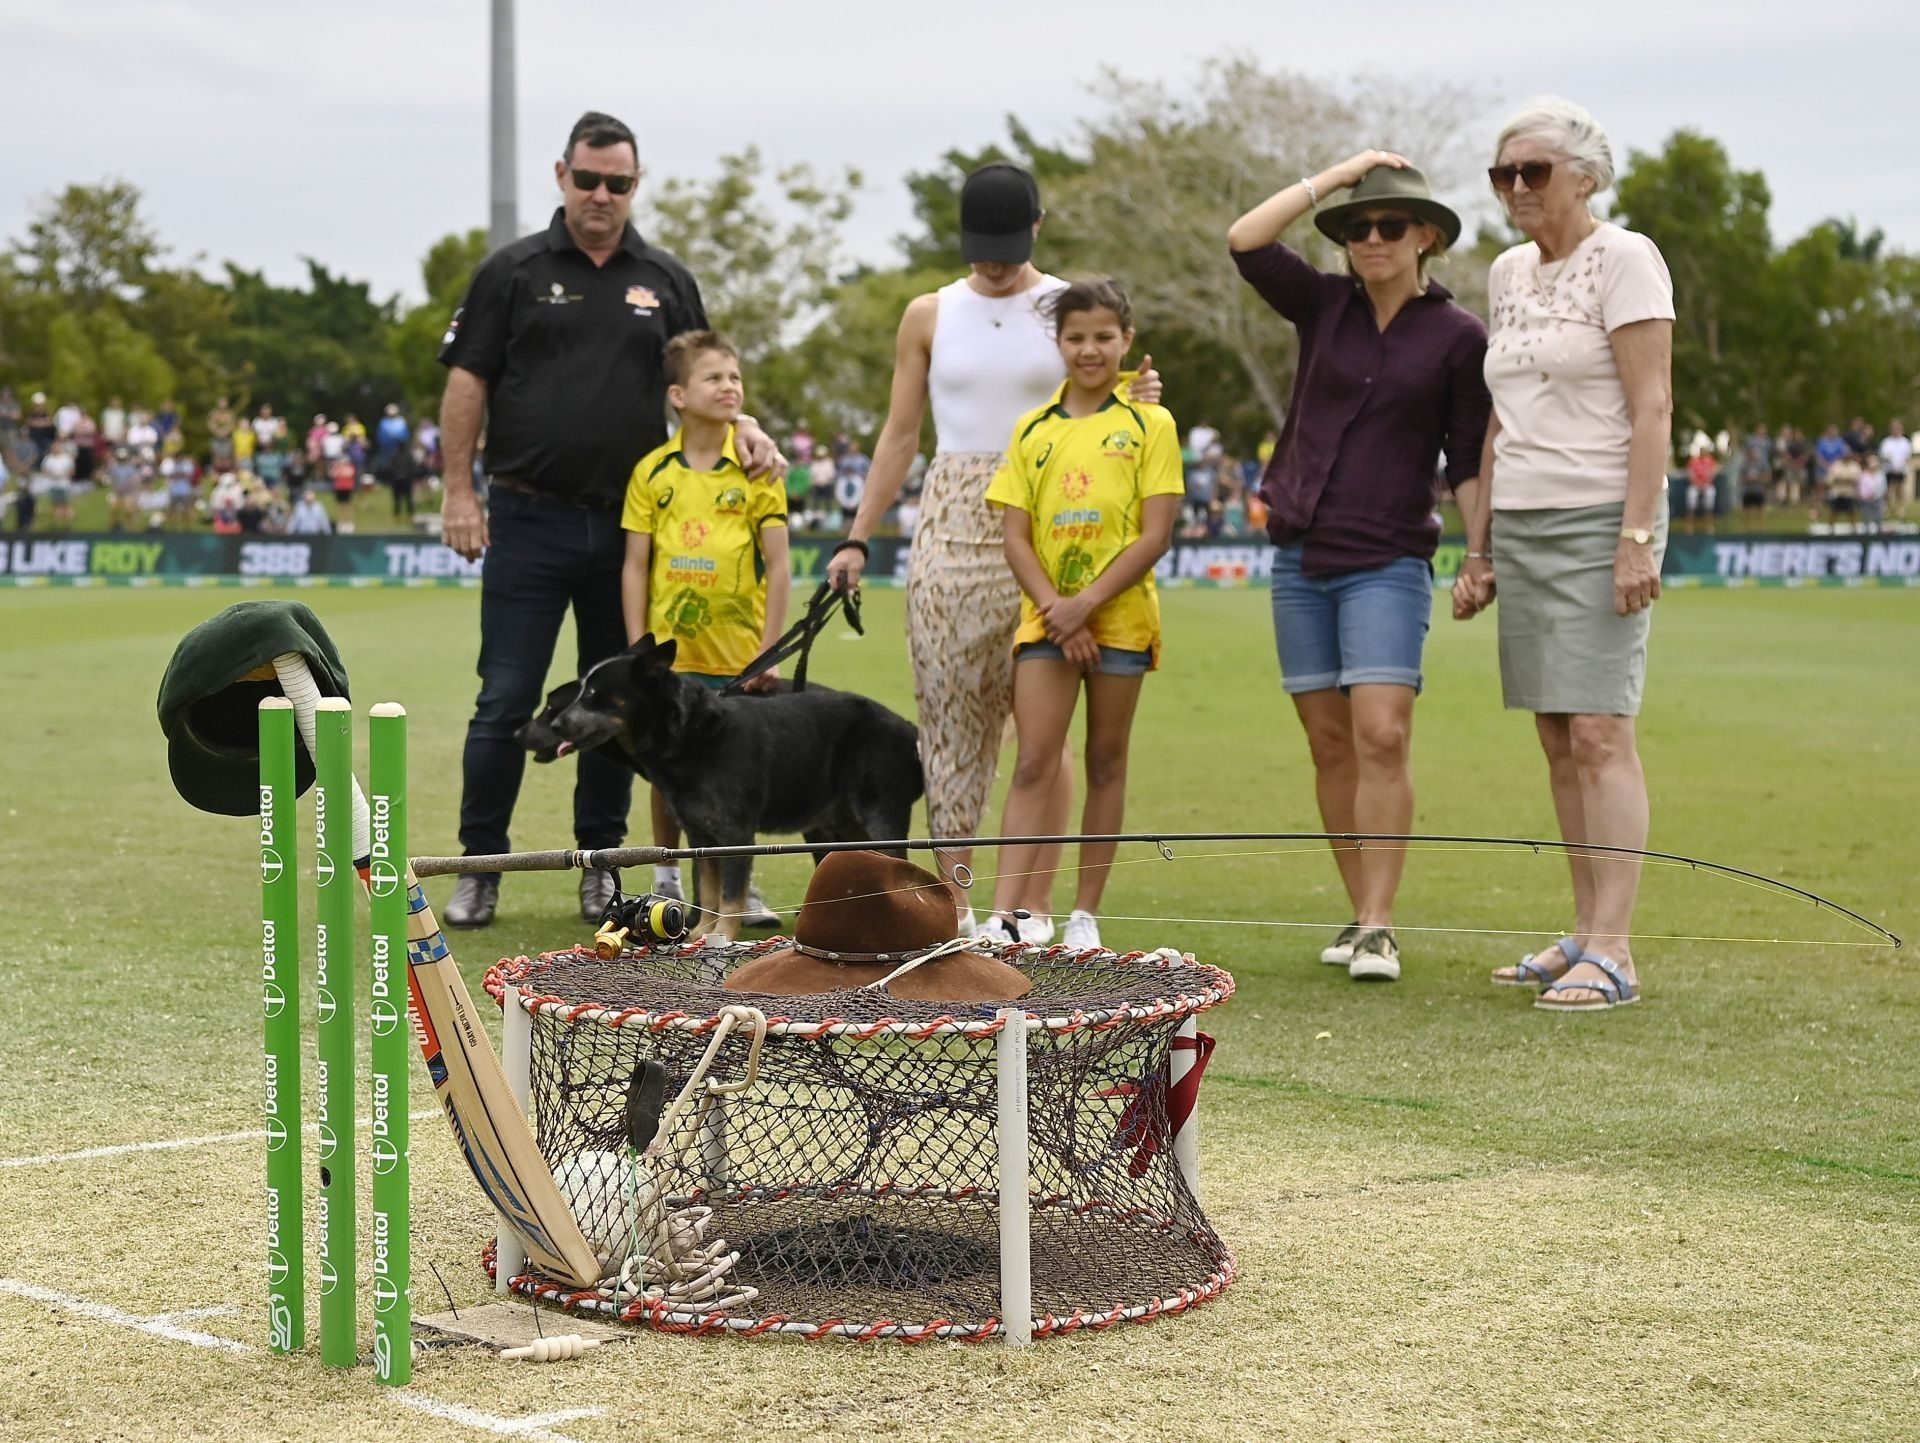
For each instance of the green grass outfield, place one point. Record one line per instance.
(1455, 1217)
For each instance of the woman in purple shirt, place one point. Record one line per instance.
(1389, 380)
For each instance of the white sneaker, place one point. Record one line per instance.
(1376, 956)
(969, 924)
(1082, 932)
(1341, 952)
(1037, 930)
(996, 931)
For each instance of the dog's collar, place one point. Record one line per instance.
(826, 956)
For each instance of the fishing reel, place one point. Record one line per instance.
(645, 920)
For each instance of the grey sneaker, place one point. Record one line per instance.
(475, 896)
(1376, 956)
(669, 889)
(1340, 953)
(757, 913)
(597, 886)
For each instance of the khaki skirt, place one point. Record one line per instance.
(1562, 648)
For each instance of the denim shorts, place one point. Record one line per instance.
(1356, 628)
(1114, 661)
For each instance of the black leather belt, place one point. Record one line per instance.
(524, 488)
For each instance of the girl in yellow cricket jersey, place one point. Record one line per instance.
(1088, 497)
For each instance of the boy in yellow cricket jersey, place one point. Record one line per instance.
(1088, 496)
(706, 547)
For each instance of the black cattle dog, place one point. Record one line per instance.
(830, 765)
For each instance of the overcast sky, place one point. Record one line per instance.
(262, 130)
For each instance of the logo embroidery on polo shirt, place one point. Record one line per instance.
(643, 301)
(556, 296)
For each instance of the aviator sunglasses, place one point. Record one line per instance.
(1391, 228)
(591, 180)
(1536, 173)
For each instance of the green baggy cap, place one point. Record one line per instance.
(210, 700)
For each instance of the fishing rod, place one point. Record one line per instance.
(618, 857)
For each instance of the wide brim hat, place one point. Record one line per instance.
(866, 914)
(1401, 188)
(210, 700)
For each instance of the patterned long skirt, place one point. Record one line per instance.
(963, 607)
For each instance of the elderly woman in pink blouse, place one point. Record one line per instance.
(1571, 526)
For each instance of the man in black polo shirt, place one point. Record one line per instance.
(558, 346)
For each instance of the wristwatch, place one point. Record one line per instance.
(1639, 535)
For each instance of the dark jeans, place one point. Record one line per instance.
(544, 557)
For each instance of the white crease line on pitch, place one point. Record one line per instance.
(107, 1313)
(535, 1426)
(121, 1149)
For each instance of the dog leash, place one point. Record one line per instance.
(799, 637)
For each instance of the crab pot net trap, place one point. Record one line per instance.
(851, 1187)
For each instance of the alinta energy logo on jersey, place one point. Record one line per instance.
(1076, 483)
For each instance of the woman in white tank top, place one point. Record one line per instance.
(981, 350)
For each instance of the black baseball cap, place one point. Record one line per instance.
(998, 207)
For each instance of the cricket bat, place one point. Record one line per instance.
(467, 1078)
(487, 1122)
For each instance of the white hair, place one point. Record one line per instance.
(1568, 128)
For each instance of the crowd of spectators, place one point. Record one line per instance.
(1846, 477)
(253, 473)
(262, 474)
(825, 483)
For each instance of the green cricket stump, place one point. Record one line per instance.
(387, 1001)
(280, 996)
(335, 885)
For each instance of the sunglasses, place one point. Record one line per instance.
(1536, 173)
(592, 180)
(1391, 228)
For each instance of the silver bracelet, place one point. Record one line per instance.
(1479, 556)
(1313, 196)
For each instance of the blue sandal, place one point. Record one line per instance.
(1529, 973)
(1616, 989)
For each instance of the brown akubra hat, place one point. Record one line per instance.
(865, 914)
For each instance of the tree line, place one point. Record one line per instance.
(1817, 329)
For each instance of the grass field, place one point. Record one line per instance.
(1455, 1217)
